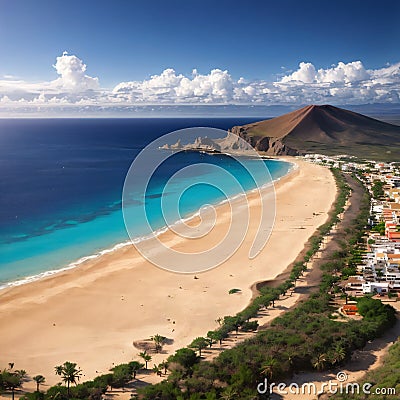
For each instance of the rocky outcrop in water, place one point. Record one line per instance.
(229, 144)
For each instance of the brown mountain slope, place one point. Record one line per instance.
(324, 129)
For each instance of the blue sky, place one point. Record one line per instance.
(259, 41)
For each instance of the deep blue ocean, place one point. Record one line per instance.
(61, 184)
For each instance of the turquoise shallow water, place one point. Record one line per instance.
(65, 204)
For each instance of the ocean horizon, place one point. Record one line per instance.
(61, 188)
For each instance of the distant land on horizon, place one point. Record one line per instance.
(385, 111)
(324, 129)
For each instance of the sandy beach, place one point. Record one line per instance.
(92, 314)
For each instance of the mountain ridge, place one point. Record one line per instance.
(325, 129)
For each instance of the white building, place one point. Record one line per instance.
(375, 287)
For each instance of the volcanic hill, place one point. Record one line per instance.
(324, 129)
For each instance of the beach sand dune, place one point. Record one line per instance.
(92, 315)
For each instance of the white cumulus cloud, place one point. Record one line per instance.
(72, 74)
(340, 84)
(305, 74)
(343, 83)
(345, 73)
(169, 86)
(340, 73)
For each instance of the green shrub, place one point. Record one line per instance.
(250, 326)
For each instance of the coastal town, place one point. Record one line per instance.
(377, 270)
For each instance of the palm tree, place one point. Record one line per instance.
(158, 341)
(164, 365)
(59, 369)
(319, 362)
(157, 370)
(146, 357)
(11, 380)
(229, 393)
(209, 341)
(135, 366)
(199, 344)
(269, 367)
(69, 373)
(339, 354)
(21, 373)
(39, 379)
(218, 335)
